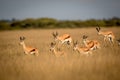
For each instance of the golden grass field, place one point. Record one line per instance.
(103, 64)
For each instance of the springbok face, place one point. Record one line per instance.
(75, 45)
(55, 35)
(52, 46)
(98, 30)
(85, 38)
(22, 40)
(88, 43)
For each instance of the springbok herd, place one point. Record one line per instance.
(89, 45)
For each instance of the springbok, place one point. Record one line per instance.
(108, 35)
(57, 53)
(83, 50)
(28, 50)
(93, 44)
(63, 38)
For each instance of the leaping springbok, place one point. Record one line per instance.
(93, 44)
(108, 35)
(28, 50)
(63, 38)
(83, 50)
(56, 53)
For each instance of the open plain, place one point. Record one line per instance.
(103, 64)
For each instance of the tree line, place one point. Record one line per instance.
(50, 23)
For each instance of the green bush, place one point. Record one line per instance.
(53, 23)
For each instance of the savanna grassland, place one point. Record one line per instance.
(103, 64)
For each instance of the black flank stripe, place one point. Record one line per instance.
(32, 50)
(92, 45)
(67, 37)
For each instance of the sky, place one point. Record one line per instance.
(59, 9)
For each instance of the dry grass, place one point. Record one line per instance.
(104, 64)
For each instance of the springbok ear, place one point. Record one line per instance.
(118, 40)
(20, 38)
(52, 44)
(97, 29)
(23, 38)
(76, 42)
(53, 34)
(84, 36)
